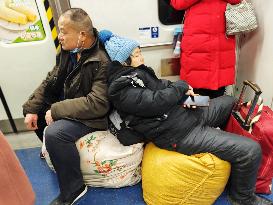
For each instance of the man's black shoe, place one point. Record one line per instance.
(75, 197)
(255, 200)
(58, 201)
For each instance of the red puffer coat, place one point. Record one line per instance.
(208, 55)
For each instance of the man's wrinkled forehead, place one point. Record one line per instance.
(64, 22)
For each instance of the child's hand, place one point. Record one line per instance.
(189, 106)
(190, 93)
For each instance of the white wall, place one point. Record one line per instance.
(256, 55)
(124, 17)
(23, 66)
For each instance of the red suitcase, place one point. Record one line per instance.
(243, 121)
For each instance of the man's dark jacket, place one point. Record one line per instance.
(84, 90)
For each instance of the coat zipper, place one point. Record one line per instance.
(266, 167)
(69, 75)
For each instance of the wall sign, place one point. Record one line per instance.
(149, 32)
(20, 22)
(154, 32)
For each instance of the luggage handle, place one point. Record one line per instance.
(254, 87)
(248, 122)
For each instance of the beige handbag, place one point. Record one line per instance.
(240, 18)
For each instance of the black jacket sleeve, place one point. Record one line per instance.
(142, 101)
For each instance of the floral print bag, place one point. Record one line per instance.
(105, 162)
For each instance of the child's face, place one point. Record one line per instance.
(136, 58)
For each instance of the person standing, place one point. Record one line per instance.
(72, 101)
(207, 54)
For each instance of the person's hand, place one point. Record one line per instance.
(189, 106)
(190, 93)
(31, 121)
(48, 117)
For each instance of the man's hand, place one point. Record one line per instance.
(31, 121)
(48, 117)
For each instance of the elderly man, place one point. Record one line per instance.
(71, 101)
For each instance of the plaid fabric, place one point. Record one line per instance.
(240, 18)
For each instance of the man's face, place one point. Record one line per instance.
(68, 36)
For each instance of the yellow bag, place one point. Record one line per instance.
(170, 178)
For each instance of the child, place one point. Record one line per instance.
(151, 108)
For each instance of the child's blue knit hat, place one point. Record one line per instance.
(118, 48)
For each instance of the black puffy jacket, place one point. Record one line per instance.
(152, 106)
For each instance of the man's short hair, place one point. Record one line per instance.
(80, 19)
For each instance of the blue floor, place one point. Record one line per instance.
(45, 185)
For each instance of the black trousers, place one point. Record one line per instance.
(243, 153)
(60, 138)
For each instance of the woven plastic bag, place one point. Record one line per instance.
(171, 178)
(240, 18)
(105, 162)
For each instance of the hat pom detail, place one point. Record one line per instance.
(105, 35)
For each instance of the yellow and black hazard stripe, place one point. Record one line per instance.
(52, 24)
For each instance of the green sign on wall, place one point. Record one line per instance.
(20, 21)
